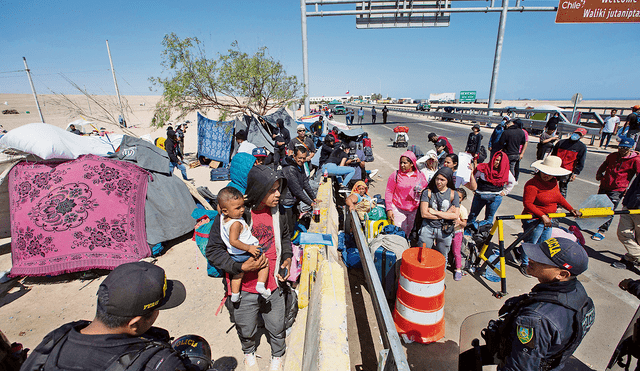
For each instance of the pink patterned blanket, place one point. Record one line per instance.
(76, 215)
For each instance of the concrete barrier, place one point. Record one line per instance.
(318, 339)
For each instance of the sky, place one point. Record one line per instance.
(540, 59)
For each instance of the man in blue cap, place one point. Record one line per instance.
(614, 175)
(541, 330)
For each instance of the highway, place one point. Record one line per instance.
(614, 307)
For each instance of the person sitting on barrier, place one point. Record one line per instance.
(458, 234)
(439, 209)
(614, 175)
(338, 164)
(540, 330)
(359, 200)
(451, 161)
(494, 181)
(541, 197)
(326, 150)
(298, 191)
(402, 195)
(121, 334)
(271, 229)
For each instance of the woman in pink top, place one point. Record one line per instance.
(402, 196)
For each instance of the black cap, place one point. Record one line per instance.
(476, 126)
(560, 252)
(440, 143)
(280, 122)
(431, 136)
(137, 289)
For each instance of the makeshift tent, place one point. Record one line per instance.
(76, 215)
(260, 128)
(214, 139)
(169, 202)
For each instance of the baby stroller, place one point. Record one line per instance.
(402, 138)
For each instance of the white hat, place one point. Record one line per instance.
(301, 127)
(552, 165)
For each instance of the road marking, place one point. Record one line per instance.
(588, 181)
(436, 127)
(387, 127)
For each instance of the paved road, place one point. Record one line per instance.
(614, 307)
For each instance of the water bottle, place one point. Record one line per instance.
(489, 274)
(325, 175)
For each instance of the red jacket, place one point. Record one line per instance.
(617, 172)
(541, 198)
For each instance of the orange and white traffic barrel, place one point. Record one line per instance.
(419, 311)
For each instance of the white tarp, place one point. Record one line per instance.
(51, 142)
(86, 127)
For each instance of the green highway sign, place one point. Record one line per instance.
(468, 96)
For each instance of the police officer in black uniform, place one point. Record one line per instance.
(541, 330)
(121, 336)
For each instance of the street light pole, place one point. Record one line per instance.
(305, 55)
(496, 59)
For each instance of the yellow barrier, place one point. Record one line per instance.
(498, 226)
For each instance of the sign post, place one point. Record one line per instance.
(598, 11)
(576, 99)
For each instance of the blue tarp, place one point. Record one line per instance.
(214, 139)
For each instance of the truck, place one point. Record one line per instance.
(442, 98)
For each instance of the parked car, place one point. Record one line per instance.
(423, 107)
(339, 110)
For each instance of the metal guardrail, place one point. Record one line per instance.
(494, 116)
(392, 357)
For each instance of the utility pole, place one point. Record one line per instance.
(113, 72)
(305, 56)
(498, 55)
(33, 89)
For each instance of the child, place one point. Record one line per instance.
(458, 231)
(241, 244)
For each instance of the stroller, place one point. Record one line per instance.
(402, 137)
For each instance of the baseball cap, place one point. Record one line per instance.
(637, 106)
(626, 142)
(581, 131)
(137, 289)
(476, 126)
(259, 152)
(353, 145)
(301, 127)
(560, 252)
(441, 143)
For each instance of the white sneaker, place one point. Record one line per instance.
(373, 173)
(276, 364)
(250, 362)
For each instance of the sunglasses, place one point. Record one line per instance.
(301, 130)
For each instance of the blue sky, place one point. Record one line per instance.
(540, 59)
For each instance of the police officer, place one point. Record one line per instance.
(541, 330)
(121, 334)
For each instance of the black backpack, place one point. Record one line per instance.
(45, 356)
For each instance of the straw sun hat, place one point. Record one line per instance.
(552, 165)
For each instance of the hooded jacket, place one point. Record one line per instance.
(617, 172)
(400, 186)
(259, 182)
(298, 188)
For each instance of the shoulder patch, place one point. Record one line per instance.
(525, 334)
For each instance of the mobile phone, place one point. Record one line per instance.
(283, 272)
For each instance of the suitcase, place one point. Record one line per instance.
(373, 227)
(220, 174)
(387, 267)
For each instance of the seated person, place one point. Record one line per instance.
(359, 200)
(241, 244)
(260, 154)
(244, 146)
(326, 150)
(129, 301)
(338, 164)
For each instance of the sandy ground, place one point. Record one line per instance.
(33, 307)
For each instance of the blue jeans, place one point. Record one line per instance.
(539, 234)
(491, 202)
(345, 172)
(605, 138)
(428, 235)
(181, 167)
